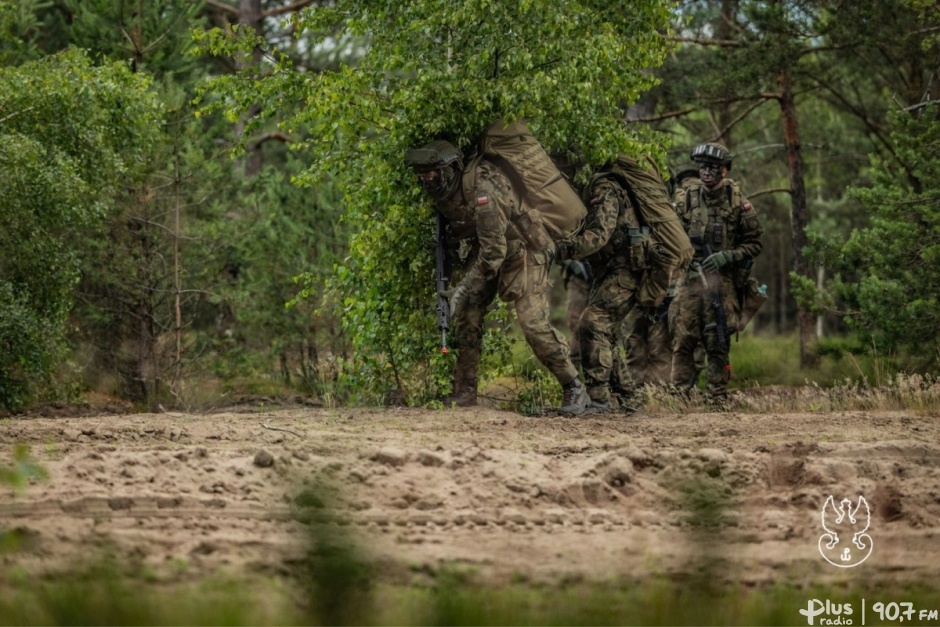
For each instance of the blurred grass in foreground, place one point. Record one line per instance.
(449, 600)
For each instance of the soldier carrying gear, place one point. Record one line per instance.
(714, 163)
(726, 234)
(438, 165)
(483, 207)
(633, 240)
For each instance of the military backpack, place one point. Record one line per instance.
(546, 194)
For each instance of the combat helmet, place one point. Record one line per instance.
(680, 177)
(437, 156)
(712, 152)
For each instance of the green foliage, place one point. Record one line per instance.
(70, 133)
(430, 69)
(154, 36)
(23, 471)
(890, 270)
(21, 23)
(291, 230)
(446, 596)
(774, 361)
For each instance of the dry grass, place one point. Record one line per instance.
(913, 392)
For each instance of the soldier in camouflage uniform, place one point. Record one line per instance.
(649, 348)
(726, 234)
(647, 339)
(576, 277)
(632, 257)
(502, 264)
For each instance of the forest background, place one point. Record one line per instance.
(206, 198)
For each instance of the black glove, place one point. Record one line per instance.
(575, 269)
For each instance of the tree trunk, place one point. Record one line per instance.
(799, 214)
(249, 14)
(820, 284)
(177, 291)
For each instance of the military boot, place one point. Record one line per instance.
(628, 402)
(576, 400)
(464, 395)
(717, 400)
(608, 403)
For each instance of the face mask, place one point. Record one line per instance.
(440, 184)
(429, 180)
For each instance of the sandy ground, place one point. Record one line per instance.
(493, 493)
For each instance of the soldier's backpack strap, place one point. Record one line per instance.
(469, 180)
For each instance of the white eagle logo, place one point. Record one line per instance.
(845, 542)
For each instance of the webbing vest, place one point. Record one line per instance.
(711, 224)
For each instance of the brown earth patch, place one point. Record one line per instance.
(503, 496)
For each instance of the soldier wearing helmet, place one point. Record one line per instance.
(726, 234)
(483, 211)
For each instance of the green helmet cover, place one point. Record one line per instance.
(433, 155)
(711, 152)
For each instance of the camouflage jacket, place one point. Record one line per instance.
(609, 208)
(719, 219)
(486, 214)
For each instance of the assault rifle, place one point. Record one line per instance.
(443, 307)
(714, 297)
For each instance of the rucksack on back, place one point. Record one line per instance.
(537, 180)
(647, 190)
(668, 245)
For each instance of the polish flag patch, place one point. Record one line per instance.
(748, 206)
(483, 200)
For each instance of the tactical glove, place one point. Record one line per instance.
(575, 269)
(716, 261)
(459, 295)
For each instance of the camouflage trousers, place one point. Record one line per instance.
(532, 308)
(649, 348)
(692, 318)
(612, 298)
(578, 293)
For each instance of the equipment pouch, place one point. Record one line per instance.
(742, 272)
(718, 233)
(533, 231)
(698, 244)
(653, 285)
(637, 237)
